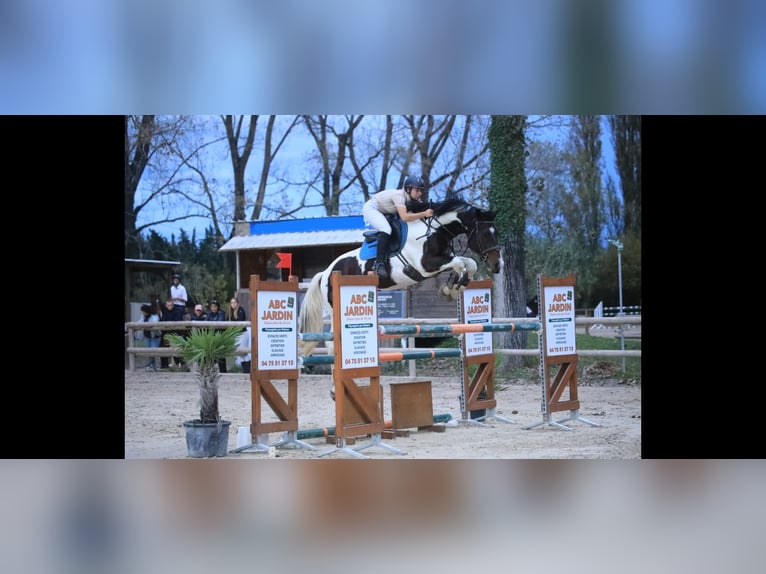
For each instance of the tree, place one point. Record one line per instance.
(239, 157)
(508, 188)
(429, 136)
(166, 174)
(138, 148)
(626, 137)
(269, 155)
(546, 243)
(332, 161)
(584, 205)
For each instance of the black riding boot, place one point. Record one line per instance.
(382, 256)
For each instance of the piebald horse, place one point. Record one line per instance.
(420, 249)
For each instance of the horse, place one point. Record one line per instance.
(419, 249)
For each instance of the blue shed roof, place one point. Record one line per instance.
(336, 223)
(337, 230)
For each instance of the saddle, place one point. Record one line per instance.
(369, 248)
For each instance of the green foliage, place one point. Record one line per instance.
(606, 271)
(572, 211)
(529, 366)
(206, 347)
(585, 343)
(202, 349)
(559, 259)
(206, 272)
(626, 136)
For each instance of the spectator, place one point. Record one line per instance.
(236, 313)
(171, 312)
(179, 296)
(245, 360)
(199, 313)
(151, 336)
(217, 314)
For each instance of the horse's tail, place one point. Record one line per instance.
(311, 318)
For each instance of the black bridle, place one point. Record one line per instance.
(482, 251)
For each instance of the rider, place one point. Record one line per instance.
(392, 201)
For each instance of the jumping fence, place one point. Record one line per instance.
(132, 350)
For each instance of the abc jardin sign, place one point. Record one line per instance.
(559, 320)
(277, 330)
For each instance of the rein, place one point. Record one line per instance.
(483, 251)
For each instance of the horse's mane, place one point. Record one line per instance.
(448, 205)
(439, 207)
(414, 206)
(451, 204)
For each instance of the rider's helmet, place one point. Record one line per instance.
(414, 181)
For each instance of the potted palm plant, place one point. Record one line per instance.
(202, 349)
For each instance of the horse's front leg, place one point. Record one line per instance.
(470, 271)
(463, 270)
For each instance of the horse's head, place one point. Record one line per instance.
(482, 236)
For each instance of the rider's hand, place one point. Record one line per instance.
(429, 212)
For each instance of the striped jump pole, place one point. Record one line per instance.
(326, 336)
(389, 356)
(421, 354)
(455, 328)
(330, 431)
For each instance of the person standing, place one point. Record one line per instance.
(179, 296)
(237, 313)
(151, 336)
(170, 312)
(244, 342)
(390, 201)
(217, 314)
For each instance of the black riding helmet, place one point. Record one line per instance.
(414, 181)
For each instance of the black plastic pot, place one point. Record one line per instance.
(205, 440)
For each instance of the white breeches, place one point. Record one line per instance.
(375, 218)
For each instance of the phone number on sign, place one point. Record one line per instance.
(359, 361)
(485, 349)
(281, 363)
(567, 348)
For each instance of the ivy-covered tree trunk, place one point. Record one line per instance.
(507, 196)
